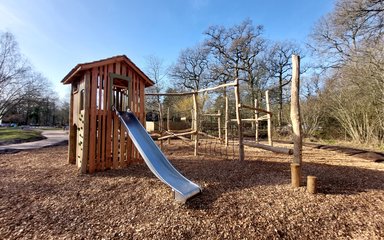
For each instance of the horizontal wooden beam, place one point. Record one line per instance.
(287, 151)
(217, 87)
(169, 94)
(193, 92)
(184, 139)
(212, 114)
(250, 119)
(174, 131)
(256, 109)
(244, 119)
(263, 118)
(208, 135)
(177, 135)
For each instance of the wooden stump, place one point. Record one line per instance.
(295, 175)
(312, 184)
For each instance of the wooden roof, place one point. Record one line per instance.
(81, 67)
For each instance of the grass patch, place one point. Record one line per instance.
(14, 134)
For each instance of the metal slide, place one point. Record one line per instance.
(182, 187)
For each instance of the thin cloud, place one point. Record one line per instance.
(8, 19)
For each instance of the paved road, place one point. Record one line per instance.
(54, 138)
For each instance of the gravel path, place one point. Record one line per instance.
(42, 197)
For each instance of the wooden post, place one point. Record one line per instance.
(295, 111)
(72, 133)
(168, 125)
(256, 121)
(219, 123)
(93, 164)
(160, 117)
(193, 123)
(110, 116)
(311, 184)
(269, 118)
(238, 118)
(226, 119)
(295, 175)
(87, 96)
(196, 122)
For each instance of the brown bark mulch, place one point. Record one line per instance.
(43, 197)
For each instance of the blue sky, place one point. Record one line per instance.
(55, 35)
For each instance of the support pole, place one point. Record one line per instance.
(196, 122)
(296, 122)
(239, 123)
(192, 122)
(226, 120)
(269, 118)
(295, 175)
(219, 122)
(168, 125)
(256, 121)
(160, 117)
(72, 133)
(295, 111)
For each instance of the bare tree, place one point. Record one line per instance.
(236, 54)
(338, 36)
(280, 66)
(254, 66)
(236, 48)
(191, 68)
(13, 73)
(191, 72)
(350, 42)
(313, 109)
(157, 71)
(24, 93)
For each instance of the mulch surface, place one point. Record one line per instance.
(43, 197)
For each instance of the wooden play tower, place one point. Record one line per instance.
(97, 139)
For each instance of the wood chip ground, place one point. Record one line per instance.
(43, 197)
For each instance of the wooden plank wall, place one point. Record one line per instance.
(109, 144)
